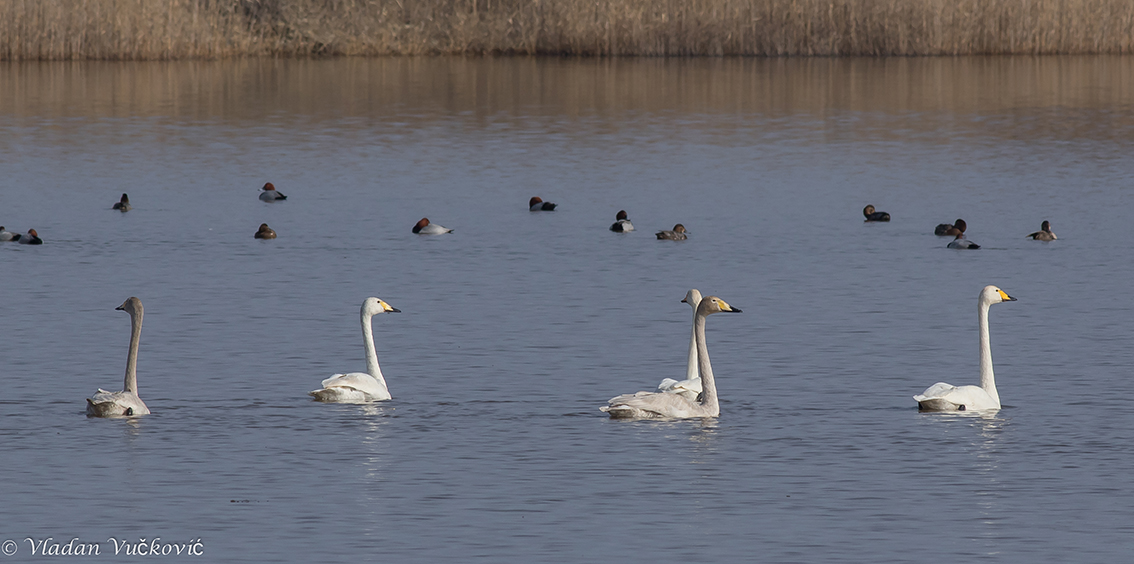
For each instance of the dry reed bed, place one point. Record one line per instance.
(179, 29)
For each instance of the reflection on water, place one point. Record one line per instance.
(518, 326)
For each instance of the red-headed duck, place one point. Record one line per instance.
(423, 227)
(872, 215)
(269, 194)
(265, 232)
(1044, 234)
(29, 238)
(677, 234)
(123, 205)
(537, 204)
(961, 243)
(621, 224)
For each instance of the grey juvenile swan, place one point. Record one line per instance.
(126, 402)
(655, 405)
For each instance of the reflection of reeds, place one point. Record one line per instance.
(164, 29)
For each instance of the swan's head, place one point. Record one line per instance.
(535, 200)
(1046, 225)
(420, 224)
(374, 306)
(125, 199)
(132, 305)
(693, 298)
(268, 186)
(994, 295)
(960, 225)
(713, 304)
(867, 211)
(621, 215)
(679, 228)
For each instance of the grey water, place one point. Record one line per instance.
(515, 328)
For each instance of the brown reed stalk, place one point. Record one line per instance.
(185, 29)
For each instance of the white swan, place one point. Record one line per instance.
(690, 387)
(358, 386)
(946, 397)
(423, 227)
(126, 402)
(654, 405)
(269, 194)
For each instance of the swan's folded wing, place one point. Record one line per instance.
(652, 404)
(938, 390)
(360, 381)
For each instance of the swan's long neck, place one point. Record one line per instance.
(708, 385)
(368, 342)
(691, 364)
(131, 383)
(987, 378)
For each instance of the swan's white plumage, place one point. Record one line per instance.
(359, 386)
(661, 405)
(690, 387)
(947, 397)
(125, 403)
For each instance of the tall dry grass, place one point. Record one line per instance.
(177, 29)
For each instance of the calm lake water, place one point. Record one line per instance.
(518, 326)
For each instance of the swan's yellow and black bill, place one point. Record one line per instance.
(725, 308)
(1006, 297)
(389, 308)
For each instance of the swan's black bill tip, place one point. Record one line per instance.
(733, 310)
(394, 310)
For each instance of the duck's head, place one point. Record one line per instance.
(712, 304)
(1046, 225)
(960, 225)
(679, 228)
(621, 215)
(264, 227)
(132, 305)
(867, 210)
(692, 297)
(374, 306)
(420, 224)
(535, 200)
(125, 199)
(33, 233)
(268, 186)
(993, 295)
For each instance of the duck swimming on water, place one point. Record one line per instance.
(950, 229)
(537, 204)
(265, 232)
(1044, 234)
(676, 234)
(621, 223)
(423, 227)
(123, 205)
(269, 194)
(872, 215)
